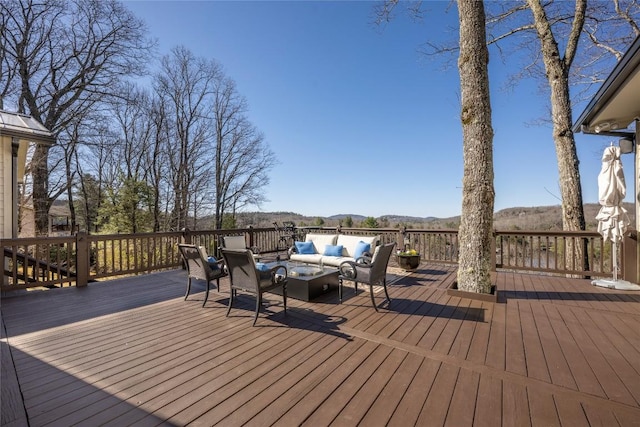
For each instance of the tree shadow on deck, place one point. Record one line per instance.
(431, 272)
(433, 309)
(419, 277)
(612, 296)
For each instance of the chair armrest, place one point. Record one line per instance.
(292, 250)
(279, 274)
(365, 259)
(223, 267)
(349, 269)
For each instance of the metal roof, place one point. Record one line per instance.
(617, 103)
(24, 127)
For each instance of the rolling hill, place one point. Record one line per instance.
(524, 218)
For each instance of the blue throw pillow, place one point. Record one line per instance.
(264, 272)
(262, 267)
(361, 248)
(305, 248)
(213, 263)
(333, 250)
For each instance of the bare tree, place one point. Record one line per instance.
(557, 26)
(157, 160)
(134, 125)
(476, 221)
(185, 85)
(242, 158)
(59, 58)
(97, 169)
(218, 160)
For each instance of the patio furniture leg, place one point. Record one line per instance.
(284, 297)
(384, 283)
(188, 288)
(373, 301)
(231, 295)
(340, 290)
(206, 295)
(258, 303)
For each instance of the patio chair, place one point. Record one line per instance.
(370, 271)
(198, 267)
(239, 242)
(245, 276)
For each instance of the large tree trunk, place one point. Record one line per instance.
(476, 222)
(41, 200)
(557, 68)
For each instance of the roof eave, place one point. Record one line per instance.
(621, 72)
(32, 137)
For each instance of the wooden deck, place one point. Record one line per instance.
(555, 351)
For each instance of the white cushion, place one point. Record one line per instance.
(203, 252)
(349, 243)
(306, 258)
(335, 261)
(321, 240)
(234, 242)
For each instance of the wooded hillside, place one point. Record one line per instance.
(518, 218)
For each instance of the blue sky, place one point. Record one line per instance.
(361, 122)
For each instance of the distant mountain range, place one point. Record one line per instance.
(525, 218)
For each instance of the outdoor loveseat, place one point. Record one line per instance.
(332, 249)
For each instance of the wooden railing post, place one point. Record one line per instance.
(400, 238)
(251, 238)
(82, 259)
(186, 236)
(494, 260)
(629, 255)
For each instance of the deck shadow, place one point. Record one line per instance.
(567, 296)
(76, 304)
(64, 406)
(296, 317)
(431, 309)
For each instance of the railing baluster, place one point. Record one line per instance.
(54, 261)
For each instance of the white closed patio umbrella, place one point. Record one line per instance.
(612, 217)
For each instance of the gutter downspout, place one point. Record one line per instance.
(15, 145)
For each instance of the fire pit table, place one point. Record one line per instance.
(307, 282)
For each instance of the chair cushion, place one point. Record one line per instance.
(361, 248)
(262, 266)
(308, 259)
(333, 250)
(305, 248)
(213, 263)
(234, 242)
(334, 261)
(321, 240)
(350, 243)
(264, 272)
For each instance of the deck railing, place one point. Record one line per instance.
(555, 252)
(81, 258)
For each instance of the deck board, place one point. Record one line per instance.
(410, 407)
(543, 410)
(584, 377)
(436, 407)
(488, 409)
(462, 407)
(132, 351)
